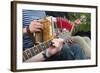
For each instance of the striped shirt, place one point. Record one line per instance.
(28, 16)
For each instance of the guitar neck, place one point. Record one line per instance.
(30, 52)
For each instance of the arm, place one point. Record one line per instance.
(24, 30)
(34, 26)
(57, 46)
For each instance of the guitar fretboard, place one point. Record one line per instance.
(30, 52)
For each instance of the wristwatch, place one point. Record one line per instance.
(45, 54)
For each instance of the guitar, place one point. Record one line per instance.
(31, 52)
(64, 34)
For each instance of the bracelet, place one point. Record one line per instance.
(30, 34)
(28, 30)
(45, 54)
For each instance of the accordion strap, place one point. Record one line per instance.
(30, 35)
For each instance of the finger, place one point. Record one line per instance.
(68, 41)
(56, 44)
(52, 51)
(37, 30)
(53, 40)
(71, 40)
(39, 24)
(51, 44)
(38, 27)
(61, 40)
(58, 40)
(36, 23)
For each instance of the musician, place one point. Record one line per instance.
(58, 50)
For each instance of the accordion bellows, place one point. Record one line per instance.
(47, 32)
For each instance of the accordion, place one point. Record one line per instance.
(52, 25)
(47, 32)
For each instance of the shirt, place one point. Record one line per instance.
(28, 16)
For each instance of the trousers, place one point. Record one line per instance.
(69, 52)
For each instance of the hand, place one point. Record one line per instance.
(78, 21)
(35, 26)
(57, 46)
(70, 41)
